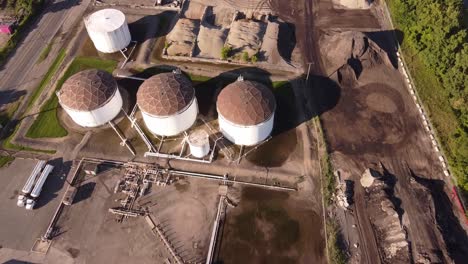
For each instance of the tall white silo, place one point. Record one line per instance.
(108, 29)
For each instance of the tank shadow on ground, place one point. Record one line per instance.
(54, 182)
(84, 192)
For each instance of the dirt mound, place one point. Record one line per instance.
(352, 48)
(246, 36)
(385, 215)
(211, 41)
(352, 4)
(182, 37)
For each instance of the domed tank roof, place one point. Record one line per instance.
(87, 90)
(105, 20)
(246, 103)
(165, 94)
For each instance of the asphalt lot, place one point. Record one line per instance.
(20, 227)
(16, 75)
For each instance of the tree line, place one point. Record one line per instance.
(436, 31)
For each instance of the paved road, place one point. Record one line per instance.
(16, 74)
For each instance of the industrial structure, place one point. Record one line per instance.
(168, 103)
(246, 111)
(108, 29)
(91, 98)
(199, 143)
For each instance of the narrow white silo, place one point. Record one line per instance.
(199, 143)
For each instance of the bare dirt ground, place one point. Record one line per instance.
(283, 226)
(369, 118)
(375, 121)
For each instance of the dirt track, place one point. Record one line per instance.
(374, 120)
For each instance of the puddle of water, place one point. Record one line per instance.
(261, 230)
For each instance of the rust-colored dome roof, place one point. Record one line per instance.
(246, 103)
(165, 94)
(87, 90)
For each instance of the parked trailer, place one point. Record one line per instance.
(38, 187)
(30, 183)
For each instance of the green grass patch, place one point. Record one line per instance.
(47, 124)
(199, 78)
(5, 160)
(327, 168)
(45, 53)
(47, 77)
(7, 144)
(335, 253)
(433, 88)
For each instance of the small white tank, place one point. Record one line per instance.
(108, 29)
(199, 143)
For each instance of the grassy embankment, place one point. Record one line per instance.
(45, 53)
(32, 99)
(47, 124)
(435, 47)
(5, 160)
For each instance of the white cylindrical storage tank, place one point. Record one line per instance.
(246, 111)
(91, 98)
(108, 29)
(168, 104)
(199, 143)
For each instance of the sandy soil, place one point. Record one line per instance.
(193, 10)
(210, 41)
(182, 37)
(351, 4)
(246, 36)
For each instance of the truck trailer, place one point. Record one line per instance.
(30, 183)
(31, 201)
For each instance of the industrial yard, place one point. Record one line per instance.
(224, 132)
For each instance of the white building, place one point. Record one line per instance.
(91, 98)
(246, 111)
(108, 29)
(168, 103)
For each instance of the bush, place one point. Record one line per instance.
(254, 58)
(245, 56)
(226, 52)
